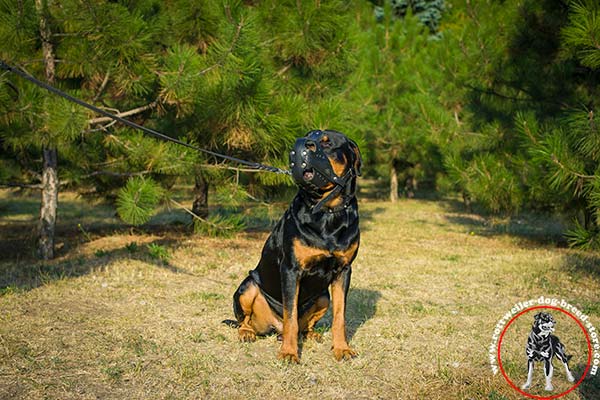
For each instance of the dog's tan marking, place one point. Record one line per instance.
(341, 349)
(258, 316)
(335, 202)
(310, 318)
(308, 256)
(357, 158)
(346, 256)
(289, 343)
(339, 167)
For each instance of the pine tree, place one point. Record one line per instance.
(568, 149)
(529, 138)
(396, 108)
(103, 53)
(429, 12)
(219, 75)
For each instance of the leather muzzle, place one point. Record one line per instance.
(309, 164)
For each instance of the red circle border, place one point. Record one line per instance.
(556, 396)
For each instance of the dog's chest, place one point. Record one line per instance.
(310, 258)
(539, 344)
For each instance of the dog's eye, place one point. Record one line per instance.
(325, 143)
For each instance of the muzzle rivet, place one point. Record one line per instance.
(303, 165)
(304, 153)
(293, 152)
(292, 164)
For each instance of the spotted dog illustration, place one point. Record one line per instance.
(310, 250)
(543, 346)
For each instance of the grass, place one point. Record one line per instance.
(111, 319)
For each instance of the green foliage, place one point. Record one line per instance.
(581, 36)
(222, 225)
(496, 100)
(18, 25)
(583, 238)
(493, 184)
(132, 247)
(526, 103)
(136, 202)
(429, 12)
(308, 41)
(395, 105)
(158, 252)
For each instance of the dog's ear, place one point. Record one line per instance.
(537, 316)
(357, 161)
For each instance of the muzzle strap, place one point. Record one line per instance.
(341, 183)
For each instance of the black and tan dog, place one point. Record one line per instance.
(310, 249)
(543, 346)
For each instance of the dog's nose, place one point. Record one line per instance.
(311, 145)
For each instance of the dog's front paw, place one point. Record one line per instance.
(288, 356)
(345, 353)
(549, 387)
(570, 378)
(246, 335)
(526, 385)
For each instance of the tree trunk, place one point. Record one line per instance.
(50, 167)
(467, 201)
(393, 184)
(49, 205)
(200, 205)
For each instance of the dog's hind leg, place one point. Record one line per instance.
(253, 312)
(548, 371)
(527, 384)
(564, 358)
(312, 316)
(570, 376)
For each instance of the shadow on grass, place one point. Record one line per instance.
(369, 215)
(361, 307)
(583, 263)
(22, 276)
(589, 389)
(533, 229)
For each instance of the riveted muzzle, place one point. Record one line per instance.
(309, 164)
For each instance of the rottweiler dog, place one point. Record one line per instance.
(543, 346)
(310, 250)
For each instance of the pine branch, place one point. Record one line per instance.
(107, 173)
(196, 216)
(493, 92)
(102, 86)
(102, 127)
(227, 53)
(134, 111)
(556, 161)
(117, 174)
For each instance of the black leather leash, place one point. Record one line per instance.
(152, 132)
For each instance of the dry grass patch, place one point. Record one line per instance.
(110, 321)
